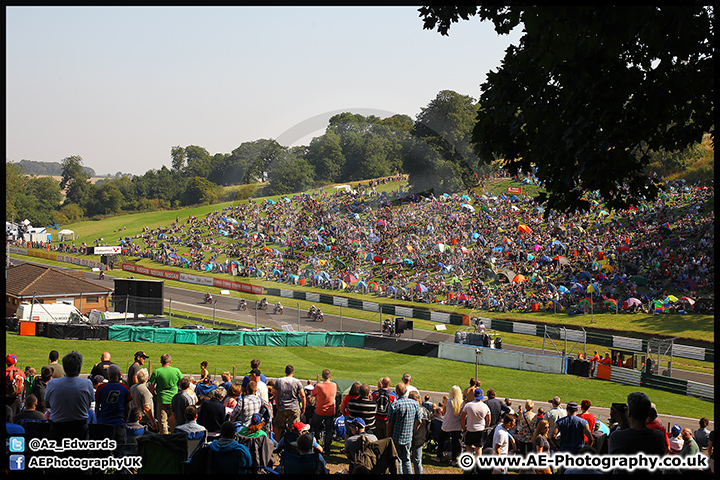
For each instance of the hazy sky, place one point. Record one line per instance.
(120, 86)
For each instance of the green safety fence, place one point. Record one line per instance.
(126, 333)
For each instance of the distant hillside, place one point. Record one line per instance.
(32, 167)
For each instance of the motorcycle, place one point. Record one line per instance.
(102, 275)
(311, 312)
(263, 305)
(388, 327)
(208, 299)
(242, 305)
(318, 316)
(278, 309)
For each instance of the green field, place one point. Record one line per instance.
(358, 365)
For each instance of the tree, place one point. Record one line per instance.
(442, 145)
(76, 182)
(200, 191)
(289, 174)
(178, 158)
(590, 91)
(108, 199)
(326, 157)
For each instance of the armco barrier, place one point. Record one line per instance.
(661, 382)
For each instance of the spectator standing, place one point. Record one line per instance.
(406, 379)
(69, 399)
(324, 414)
(164, 385)
(497, 407)
(142, 398)
(112, 405)
(525, 427)
(260, 384)
(502, 439)
(420, 436)
(555, 413)
(586, 415)
(451, 425)
(101, 368)
(55, 367)
(702, 434)
(15, 383)
(290, 401)
(364, 407)
(541, 444)
(181, 400)
(633, 434)
(254, 365)
(475, 418)
(402, 419)
(573, 430)
(135, 368)
(383, 398)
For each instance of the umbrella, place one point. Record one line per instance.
(639, 280)
(467, 206)
(610, 303)
(408, 262)
(524, 229)
(563, 289)
(585, 276)
(687, 300)
(420, 288)
(545, 259)
(671, 299)
(537, 247)
(593, 289)
(586, 301)
(350, 278)
(519, 278)
(576, 287)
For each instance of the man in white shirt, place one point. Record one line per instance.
(554, 414)
(502, 439)
(262, 388)
(406, 378)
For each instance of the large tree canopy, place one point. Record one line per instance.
(590, 92)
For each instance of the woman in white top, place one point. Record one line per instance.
(451, 426)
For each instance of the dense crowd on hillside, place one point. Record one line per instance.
(253, 423)
(486, 252)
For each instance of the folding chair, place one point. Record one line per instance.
(307, 464)
(162, 454)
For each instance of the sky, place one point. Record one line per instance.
(120, 86)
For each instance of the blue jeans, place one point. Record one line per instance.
(403, 451)
(416, 457)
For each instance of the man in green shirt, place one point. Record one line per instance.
(163, 384)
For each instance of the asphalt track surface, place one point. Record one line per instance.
(226, 308)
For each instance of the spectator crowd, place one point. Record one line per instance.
(238, 424)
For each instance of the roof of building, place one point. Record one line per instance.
(27, 279)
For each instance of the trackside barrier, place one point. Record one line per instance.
(661, 382)
(701, 390)
(628, 376)
(684, 351)
(532, 362)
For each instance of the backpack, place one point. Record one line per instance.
(14, 382)
(422, 434)
(382, 402)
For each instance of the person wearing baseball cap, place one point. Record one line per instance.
(14, 399)
(573, 430)
(290, 438)
(356, 429)
(135, 367)
(256, 427)
(475, 418)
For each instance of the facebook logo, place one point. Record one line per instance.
(17, 444)
(17, 462)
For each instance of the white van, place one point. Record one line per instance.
(48, 312)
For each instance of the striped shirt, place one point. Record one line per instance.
(365, 409)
